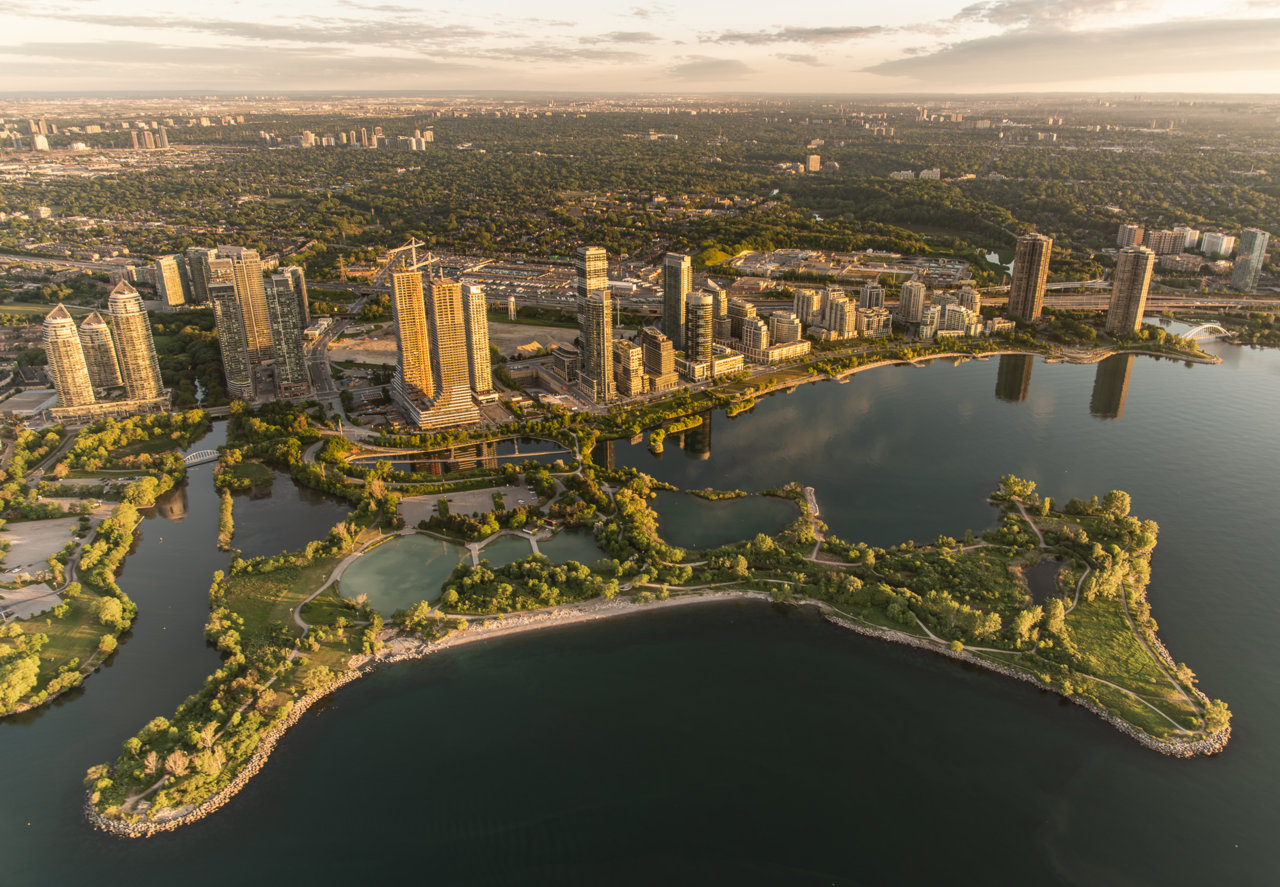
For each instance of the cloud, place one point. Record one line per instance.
(114, 63)
(1053, 13)
(801, 58)
(825, 34)
(403, 32)
(622, 37)
(705, 67)
(1034, 55)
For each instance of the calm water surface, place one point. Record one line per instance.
(738, 743)
(399, 573)
(693, 522)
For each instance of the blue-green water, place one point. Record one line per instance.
(572, 545)
(402, 571)
(506, 549)
(738, 743)
(693, 522)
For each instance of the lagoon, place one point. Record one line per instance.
(400, 572)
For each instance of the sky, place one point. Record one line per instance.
(816, 46)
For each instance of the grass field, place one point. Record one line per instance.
(1109, 650)
(254, 472)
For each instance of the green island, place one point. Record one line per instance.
(1055, 595)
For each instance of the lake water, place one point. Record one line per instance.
(693, 522)
(505, 550)
(572, 545)
(738, 742)
(402, 571)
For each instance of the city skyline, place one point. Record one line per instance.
(1160, 45)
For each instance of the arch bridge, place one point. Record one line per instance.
(1206, 331)
(199, 457)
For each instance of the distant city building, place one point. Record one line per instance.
(123, 354)
(1166, 243)
(628, 368)
(131, 330)
(912, 300)
(453, 404)
(698, 327)
(171, 284)
(1130, 235)
(784, 327)
(246, 272)
(285, 317)
(1190, 236)
(739, 311)
(596, 323)
(232, 340)
(813, 163)
(871, 296)
(929, 319)
(67, 367)
(805, 304)
(1214, 243)
(1030, 273)
(677, 281)
(414, 381)
(1129, 292)
(591, 270)
(100, 352)
(479, 360)
(659, 359)
(1250, 259)
(874, 323)
(971, 299)
(198, 271)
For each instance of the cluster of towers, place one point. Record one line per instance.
(91, 363)
(1134, 267)
(703, 334)
(443, 341)
(260, 319)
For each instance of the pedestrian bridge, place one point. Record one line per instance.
(199, 457)
(1206, 331)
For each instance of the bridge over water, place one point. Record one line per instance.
(199, 457)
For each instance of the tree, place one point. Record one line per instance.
(1216, 715)
(1055, 617)
(17, 678)
(1116, 503)
(110, 612)
(107, 643)
(176, 763)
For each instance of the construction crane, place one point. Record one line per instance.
(403, 258)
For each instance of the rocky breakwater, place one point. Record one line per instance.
(1180, 747)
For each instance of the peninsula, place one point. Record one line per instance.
(1055, 595)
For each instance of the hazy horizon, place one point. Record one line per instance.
(941, 47)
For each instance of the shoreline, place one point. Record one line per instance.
(403, 649)
(1079, 359)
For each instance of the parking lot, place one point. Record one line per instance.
(418, 508)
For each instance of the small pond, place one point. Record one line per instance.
(506, 549)
(572, 545)
(688, 521)
(1042, 579)
(401, 572)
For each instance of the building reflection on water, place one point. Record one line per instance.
(1013, 378)
(173, 504)
(1110, 386)
(697, 440)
